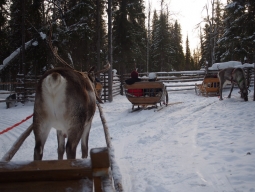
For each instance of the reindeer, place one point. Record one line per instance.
(233, 75)
(66, 100)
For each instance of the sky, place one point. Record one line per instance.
(195, 144)
(189, 13)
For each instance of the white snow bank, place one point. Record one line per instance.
(235, 64)
(223, 65)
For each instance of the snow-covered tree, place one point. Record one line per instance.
(239, 31)
(129, 36)
(161, 46)
(188, 65)
(4, 30)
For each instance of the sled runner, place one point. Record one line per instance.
(209, 86)
(144, 94)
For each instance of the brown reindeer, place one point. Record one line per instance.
(234, 76)
(66, 100)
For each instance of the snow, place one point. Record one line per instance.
(235, 64)
(15, 53)
(196, 144)
(43, 35)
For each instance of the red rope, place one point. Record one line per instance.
(9, 128)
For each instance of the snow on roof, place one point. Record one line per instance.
(7, 60)
(248, 65)
(235, 64)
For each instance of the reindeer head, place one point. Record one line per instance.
(91, 73)
(242, 84)
(244, 92)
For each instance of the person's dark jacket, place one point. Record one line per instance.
(131, 81)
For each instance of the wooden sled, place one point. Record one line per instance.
(99, 87)
(152, 94)
(60, 175)
(209, 86)
(57, 175)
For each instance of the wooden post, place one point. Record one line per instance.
(110, 50)
(98, 34)
(100, 164)
(23, 51)
(254, 81)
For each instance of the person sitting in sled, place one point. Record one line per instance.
(134, 78)
(152, 92)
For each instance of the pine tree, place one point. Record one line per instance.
(161, 47)
(76, 30)
(249, 31)
(177, 57)
(129, 36)
(219, 12)
(212, 32)
(188, 65)
(239, 23)
(4, 30)
(154, 65)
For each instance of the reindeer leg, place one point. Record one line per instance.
(220, 90)
(232, 86)
(85, 139)
(71, 146)
(221, 84)
(41, 133)
(61, 144)
(73, 140)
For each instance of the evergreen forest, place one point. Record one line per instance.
(142, 38)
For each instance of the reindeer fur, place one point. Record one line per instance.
(233, 76)
(65, 99)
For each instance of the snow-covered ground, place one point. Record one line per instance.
(196, 144)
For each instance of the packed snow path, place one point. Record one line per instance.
(199, 145)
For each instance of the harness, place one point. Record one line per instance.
(232, 77)
(88, 75)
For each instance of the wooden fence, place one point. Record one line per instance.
(186, 80)
(25, 88)
(116, 86)
(174, 81)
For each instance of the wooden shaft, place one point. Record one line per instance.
(9, 155)
(117, 181)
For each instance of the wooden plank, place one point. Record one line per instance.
(145, 85)
(101, 163)
(211, 80)
(47, 186)
(100, 158)
(58, 175)
(53, 170)
(98, 184)
(144, 100)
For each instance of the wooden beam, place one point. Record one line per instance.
(145, 85)
(43, 186)
(8, 156)
(53, 170)
(58, 175)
